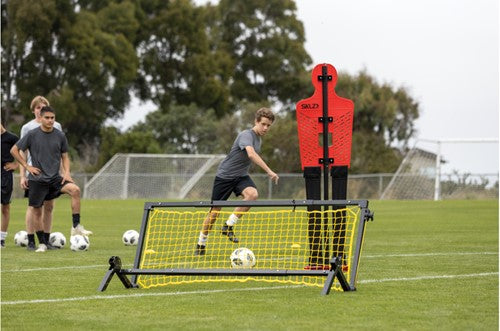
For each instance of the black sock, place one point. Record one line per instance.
(76, 220)
(41, 237)
(47, 236)
(31, 238)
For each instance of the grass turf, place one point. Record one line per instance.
(425, 265)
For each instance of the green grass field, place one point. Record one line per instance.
(425, 265)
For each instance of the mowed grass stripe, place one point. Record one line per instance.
(127, 296)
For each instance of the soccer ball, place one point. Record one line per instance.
(242, 258)
(57, 239)
(21, 238)
(79, 243)
(130, 238)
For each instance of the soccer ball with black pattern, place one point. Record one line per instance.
(21, 238)
(242, 258)
(79, 243)
(130, 238)
(57, 239)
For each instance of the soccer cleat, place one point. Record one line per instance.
(31, 247)
(80, 230)
(41, 248)
(228, 231)
(200, 250)
(2, 243)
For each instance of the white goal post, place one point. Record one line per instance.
(152, 176)
(420, 174)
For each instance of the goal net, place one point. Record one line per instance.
(291, 244)
(153, 176)
(447, 169)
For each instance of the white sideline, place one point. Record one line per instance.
(363, 257)
(120, 296)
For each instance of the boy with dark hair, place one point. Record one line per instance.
(48, 147)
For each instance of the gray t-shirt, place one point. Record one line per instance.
(237, 162)
(45, 149)
(33, 124)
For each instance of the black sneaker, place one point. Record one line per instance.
(228, 231)
(31, 247)
(2, 243)
(200, 250)
(50, 247)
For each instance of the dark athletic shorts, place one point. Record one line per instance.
(7, 187)
(43, 191)
(224, 187)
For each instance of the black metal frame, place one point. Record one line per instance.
(335, 263)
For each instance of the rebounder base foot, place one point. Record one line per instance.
(336, 272)
(115, 267)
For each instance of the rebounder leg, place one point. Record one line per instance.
(115, 266)
(312, 177)
(336, 272)
(339, 192)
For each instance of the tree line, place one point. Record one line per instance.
(206, 69)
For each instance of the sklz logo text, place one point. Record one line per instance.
(309, 106)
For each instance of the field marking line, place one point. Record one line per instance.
(406, 279)
(428, 254)
(120, 296)
(362, 256)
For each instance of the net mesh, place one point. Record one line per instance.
(280, 240)
(156, 176)
(415, 177)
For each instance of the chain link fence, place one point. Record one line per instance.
(291, 186)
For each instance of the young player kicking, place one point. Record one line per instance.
(232, 176)
(48, 147)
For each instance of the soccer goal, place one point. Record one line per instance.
(153, 176)
(447, 169)
(277, 232)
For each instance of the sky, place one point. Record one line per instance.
(444, 52)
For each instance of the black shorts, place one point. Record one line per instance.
(43, 191)
(224, 187)
(7, 187)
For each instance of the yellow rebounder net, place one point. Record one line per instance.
(283, 240)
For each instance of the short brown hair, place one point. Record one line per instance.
(264, 112)
(38, 100)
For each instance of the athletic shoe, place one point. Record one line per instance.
(2, 243)
(41, 248)
(200, 250)
(50, 247)
(80, 230)
(228, 231)
(31, 247)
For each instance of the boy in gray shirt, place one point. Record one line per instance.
(48, 147)
(232, 176)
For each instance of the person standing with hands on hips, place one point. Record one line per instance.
(232, 176)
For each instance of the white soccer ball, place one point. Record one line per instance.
(21, 238)
(57, 239)
(130, 238)
(242, 258)
(79, 243)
